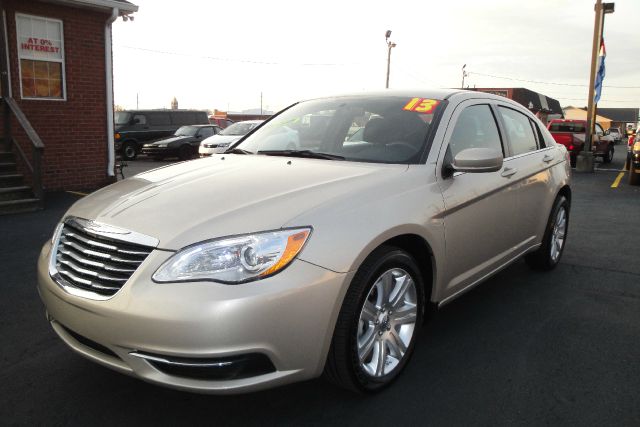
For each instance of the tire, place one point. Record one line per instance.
(548, 255)
(185, 152)
(608, 156)
(573, 160)
(634, 177)
(378, 329)
(129, 151)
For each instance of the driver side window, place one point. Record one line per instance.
(475, 128)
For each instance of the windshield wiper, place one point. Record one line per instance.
(237, 151)
(301, 153)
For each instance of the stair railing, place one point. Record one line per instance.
(12, 107)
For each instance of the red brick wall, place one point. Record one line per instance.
(74, 131)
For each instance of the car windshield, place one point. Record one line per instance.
(186, 131)
(372, 129)
(122, 118)
(240, 128)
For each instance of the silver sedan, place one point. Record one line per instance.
(263, 266)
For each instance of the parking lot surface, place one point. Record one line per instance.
(524, 348)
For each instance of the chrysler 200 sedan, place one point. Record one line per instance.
(260, 267)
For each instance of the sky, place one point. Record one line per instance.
(230, 55)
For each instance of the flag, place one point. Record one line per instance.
(601, 72)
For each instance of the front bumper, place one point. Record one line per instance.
(207, 151)
(159, 151)
(288, 319)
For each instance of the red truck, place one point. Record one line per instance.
(571, 134)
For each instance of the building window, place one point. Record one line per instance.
(41, 54)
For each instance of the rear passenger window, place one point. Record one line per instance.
(158, 119)
(519, 131)
(184, 118)
(476, 128)
(538, 132)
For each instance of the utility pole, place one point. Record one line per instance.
(390, 45)
(584, 161)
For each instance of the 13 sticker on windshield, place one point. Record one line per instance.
(421, 105)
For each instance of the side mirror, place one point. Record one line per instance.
(477, 160)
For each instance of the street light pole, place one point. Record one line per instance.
(464, 74)
(390, 45)
(584, 161)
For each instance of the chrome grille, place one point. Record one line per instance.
(87, 259)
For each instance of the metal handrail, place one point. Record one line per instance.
(37, 144)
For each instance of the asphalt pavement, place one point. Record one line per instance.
(524, 348)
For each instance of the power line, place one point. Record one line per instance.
(243, 61)
(547, 83)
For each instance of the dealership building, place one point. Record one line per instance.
(57, 97)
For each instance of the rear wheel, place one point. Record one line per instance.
(608, 156)
(548, 255)
(378, 323)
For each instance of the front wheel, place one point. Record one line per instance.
(548, 255)
(129, 151)
(378, 324)
(185, 152)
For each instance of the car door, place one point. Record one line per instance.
(201, 135)
(479, 207)
(531, 161)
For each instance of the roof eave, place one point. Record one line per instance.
(123, 7)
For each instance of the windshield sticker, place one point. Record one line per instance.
(421, 105)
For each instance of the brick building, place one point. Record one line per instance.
(57, 92)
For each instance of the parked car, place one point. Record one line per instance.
(134, 128)
(223, 122)
(615, 134)
(220, 142)
(633, 159)
(571, 133)
(261, 267)
(182, 144)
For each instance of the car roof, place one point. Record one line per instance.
(458, 95)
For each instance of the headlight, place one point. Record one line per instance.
(234, 259)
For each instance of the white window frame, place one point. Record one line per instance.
(62, 61)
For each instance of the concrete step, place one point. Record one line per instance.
(11, 179)
(7, 167)
(15, 193)
(19, 206)
(7, 157)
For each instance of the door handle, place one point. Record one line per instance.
(547, 158)
(508, 172)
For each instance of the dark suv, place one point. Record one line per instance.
(134, 128)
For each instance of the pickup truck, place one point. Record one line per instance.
(571, 134)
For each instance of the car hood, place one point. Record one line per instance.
(169, 140)
(227, 194)
(220, 139)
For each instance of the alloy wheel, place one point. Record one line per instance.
(387, 322)
(558, 234)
